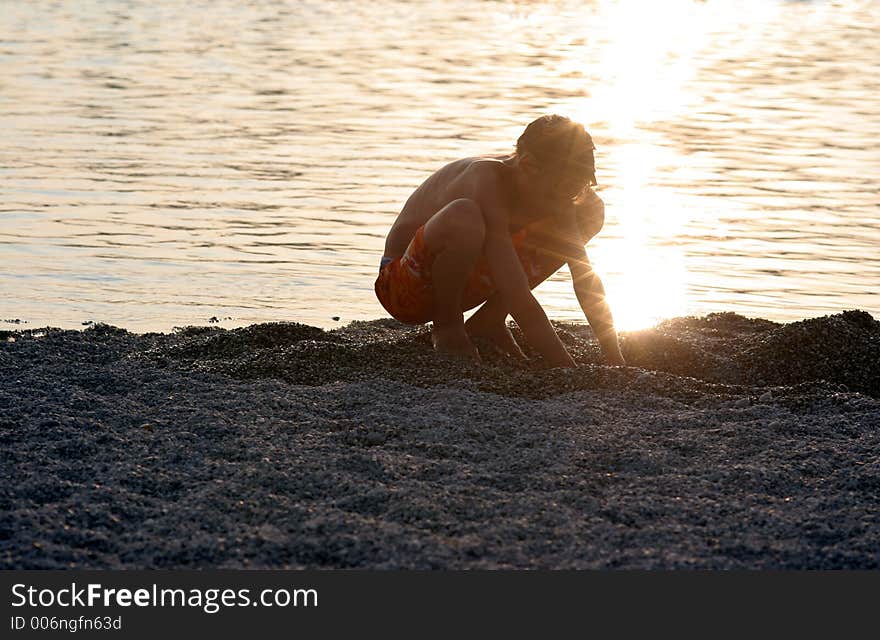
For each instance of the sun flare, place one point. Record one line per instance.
(642, 77)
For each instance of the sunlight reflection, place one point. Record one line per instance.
(736, 151)
(646, 64)
(643, 77)
(651, 287)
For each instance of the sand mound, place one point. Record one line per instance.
(843, 348)
(720, 349)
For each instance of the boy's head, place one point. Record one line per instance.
(561, 152)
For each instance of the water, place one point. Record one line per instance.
(167, 162)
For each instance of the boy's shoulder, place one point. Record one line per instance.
(479, 166)
(479, 178)
(489, 166)
(484, 174)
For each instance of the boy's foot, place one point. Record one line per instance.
(499, 336)
(454, 341)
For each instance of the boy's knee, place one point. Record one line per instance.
(591, 203)
(591, 216)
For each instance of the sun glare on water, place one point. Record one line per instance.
(645, 66)
(641, 78)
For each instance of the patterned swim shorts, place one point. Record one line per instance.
(405, 289)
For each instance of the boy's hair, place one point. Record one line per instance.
(559, 143)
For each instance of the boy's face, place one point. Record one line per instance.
(559, 185)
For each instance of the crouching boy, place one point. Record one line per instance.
(487, 230)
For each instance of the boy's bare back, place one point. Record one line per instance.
(476, 178)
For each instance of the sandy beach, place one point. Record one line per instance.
(728, 443)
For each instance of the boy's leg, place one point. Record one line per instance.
(546, 254)
(490, 321)
(454, 235)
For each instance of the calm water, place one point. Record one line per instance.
(164, 162)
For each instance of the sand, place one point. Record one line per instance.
(729, 443)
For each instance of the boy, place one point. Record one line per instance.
(488, 230)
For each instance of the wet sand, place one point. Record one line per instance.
(729, 443)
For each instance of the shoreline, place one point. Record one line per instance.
(729, 443)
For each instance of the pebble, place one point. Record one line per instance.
(766, 397)
(742, 403)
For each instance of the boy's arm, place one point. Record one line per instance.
(583, 222)
(590, 294)
(513, 286)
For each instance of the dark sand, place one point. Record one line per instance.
(729, 443)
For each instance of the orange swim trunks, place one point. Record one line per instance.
(405, 289)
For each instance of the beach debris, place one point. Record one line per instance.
(104, 329)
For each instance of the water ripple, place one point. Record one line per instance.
(245, 160)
